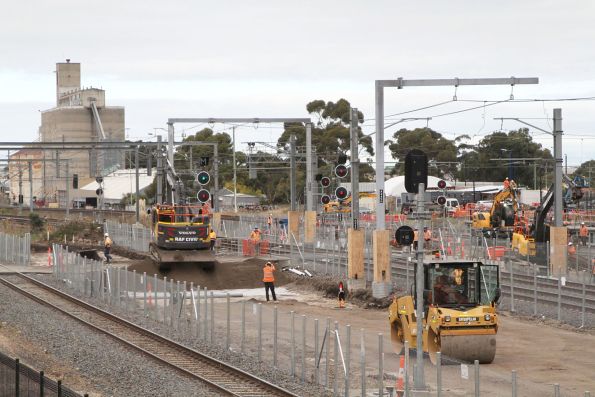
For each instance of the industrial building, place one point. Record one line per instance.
(80, 115)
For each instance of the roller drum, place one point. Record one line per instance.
(465, 348)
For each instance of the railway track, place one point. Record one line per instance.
(221, 377)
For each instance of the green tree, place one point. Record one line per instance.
(330, 138)
(587, 171)
(441, 152)
(487, 160)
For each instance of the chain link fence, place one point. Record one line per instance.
(135, 237)
(15, 249)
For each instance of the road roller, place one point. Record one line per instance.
(459, 317)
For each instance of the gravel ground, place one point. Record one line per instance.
(106, 366)
(157, 379)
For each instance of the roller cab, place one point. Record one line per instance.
(460, 318)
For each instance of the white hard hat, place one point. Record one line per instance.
(106, 234)
(582, 223)
(570, 243)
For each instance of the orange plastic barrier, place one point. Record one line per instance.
(496, 252)
(247, 247)
(264, 247)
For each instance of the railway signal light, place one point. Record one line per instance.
(341, 171)
(325, 181)
(441, 184)
(341, 193)
(203, 195)
(441, 200)
(404, 235)
(416, 170)
(203, 177)
(325, 199)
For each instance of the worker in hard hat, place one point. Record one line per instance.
(269, 280)
(415, 238)
(506, 184)
(107, 247)
(513, 185)
(583, 233)
(213, 238)
(270, 222)
(571, 249)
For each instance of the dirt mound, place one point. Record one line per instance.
(329, 286)
(227, 275)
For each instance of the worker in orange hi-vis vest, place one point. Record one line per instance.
(415, 238)
(269, 280)
(506, 184)
(583, 233)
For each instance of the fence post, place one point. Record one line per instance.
(155, 288)
(206, 320)
(17, 374)
(513, 383)
(476, 364)
(327, 352)
(583, 303)
(380, 366)
(559, 297)
(145, 294)
(165, 300)
(438, 374)
(292, 314)
(336, 353)
(59, 388)
(243, 338)
(212, 318)
(535, 289)
(316, 344)
(259, 332)
(347, 358)
(41, 384)
(303, 348)
(275, 321)
(510, 267)
(556, 390)
(406, 347)
(228, 322)
(362, 360)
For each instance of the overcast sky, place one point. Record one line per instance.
(269, 58)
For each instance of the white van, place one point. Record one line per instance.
(452, 204)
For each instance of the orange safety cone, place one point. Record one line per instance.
(400, 384)
(49, 256)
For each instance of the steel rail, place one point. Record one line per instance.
(214, 373)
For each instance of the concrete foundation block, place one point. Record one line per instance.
(381, 289)
(353, 284)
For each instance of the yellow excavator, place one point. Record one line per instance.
(343, 206)
(501, 217)
(460, 318)
(180, 234)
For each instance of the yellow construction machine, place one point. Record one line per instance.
(501, 217)
(460, 318)
(343, 206)
(180, 234)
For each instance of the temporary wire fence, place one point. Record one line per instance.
(344, 358)
(135, 237)
(15, 249)
(18, 379)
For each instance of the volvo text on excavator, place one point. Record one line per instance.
(460, 318)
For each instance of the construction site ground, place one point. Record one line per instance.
(543, 352)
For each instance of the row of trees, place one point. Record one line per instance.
(455, 159)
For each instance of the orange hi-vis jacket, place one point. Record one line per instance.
(583, 232)
(268, 274)
(415, 235)
(428, 235)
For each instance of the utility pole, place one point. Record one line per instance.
(235, 175)
(354, 168)
(159, 172)
(20, 188)
(292, 174)
(558, 205)
(136, 161)
(309, 192)
(419, 382)
(67, 191)
(30, 186)
(216, 176)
